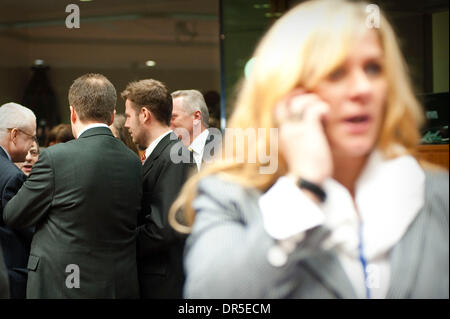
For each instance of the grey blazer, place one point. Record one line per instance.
(226, 254)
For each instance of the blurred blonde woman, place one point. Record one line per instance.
(349, 213)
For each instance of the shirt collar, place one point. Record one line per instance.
(198, 143)
(399, 182)
(153, 144)
(7, 154)
(88, 127)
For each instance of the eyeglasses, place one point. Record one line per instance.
(32, 136)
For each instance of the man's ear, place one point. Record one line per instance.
(73, 115)
(198, 115)
(112, 118)
(146, 115)
(197, 119)
(13, 135)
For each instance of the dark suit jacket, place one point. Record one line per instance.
(84, 197)
(4, 282)
(160, 248)
(15, 243)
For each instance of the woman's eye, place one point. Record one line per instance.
(373, 68)
(337, 74)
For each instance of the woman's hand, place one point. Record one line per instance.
(302, 138)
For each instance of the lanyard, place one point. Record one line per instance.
(363, 260)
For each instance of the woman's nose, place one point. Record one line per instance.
(360, 85)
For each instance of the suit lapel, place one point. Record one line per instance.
(166, 141)
(10, 162)
(407, 255)
(2, 152)
(148, 164)
(405, 258)
(210, 139)
(326, 266)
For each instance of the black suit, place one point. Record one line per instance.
(4, 282)
(84, 197)
(160, 248)
(15, 243)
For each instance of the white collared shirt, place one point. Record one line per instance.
(388, 196)
(153, 144)
(198, 146)
(87, 127)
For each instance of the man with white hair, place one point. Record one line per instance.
(17, 133)
(189, 121)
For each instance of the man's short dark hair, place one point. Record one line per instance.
(153, 95)
(93, 97)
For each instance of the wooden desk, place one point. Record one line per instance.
(434, 153)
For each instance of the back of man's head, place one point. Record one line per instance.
(153, 95)
(93, 97)
(193, 101)
(13, 115)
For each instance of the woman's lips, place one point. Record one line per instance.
(357, 124)
(27, 168)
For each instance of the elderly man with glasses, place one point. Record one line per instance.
(17, 133)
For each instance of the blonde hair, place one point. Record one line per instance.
(303, 47)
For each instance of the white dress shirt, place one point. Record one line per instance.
(152, 146)
(88, 127)
(198, 146)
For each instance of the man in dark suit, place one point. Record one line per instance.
(84, 197)
(17, 131)
(190, 118)
(148, 108)
(4, 282)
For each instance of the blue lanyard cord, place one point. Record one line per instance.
(363, 260)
